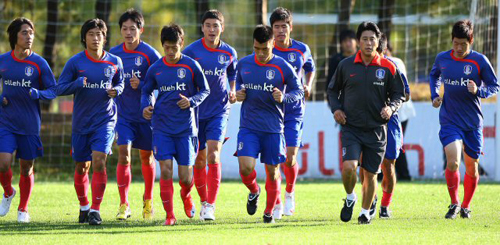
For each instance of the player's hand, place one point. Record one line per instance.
(84, 81)
(277, 95)
(437, 102)
(112, 92)
(472, 87)
(184, 102)
(5, 101)
(307, 91)
(241, 94)
(34, 94)
(386, 113)
(232, 97)
(340, 117)
(134, 81)
(147, 113)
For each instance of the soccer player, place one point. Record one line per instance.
(363, 95)
(348, 48)
(468, 77)
(132, 129)
(182, 87)
(26, 79)
(299, 56)
(261, 80)
(218, 61)
(94, 77)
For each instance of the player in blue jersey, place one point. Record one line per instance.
(261, 80)
(26, 78)
(95, 78)
(132, 129)
(299, 56)
(218, 61)
(468, 77)
(181, 88)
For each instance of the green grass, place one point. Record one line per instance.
(418, 217)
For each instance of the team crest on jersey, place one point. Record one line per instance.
(292, 57)
(270, 74)
(467, 69)
(380, 73)
(109, 71)
(181, 73)
(138, 60)
(222, 59)
(28, 71)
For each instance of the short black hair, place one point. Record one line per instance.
(263, 33)
(212, 14)
(347, 34)
(382, 44)
(15, 27)
(368, 26)
(281, 13)
(463, 29)
(91, 24)
(133, 15)
(172, 33)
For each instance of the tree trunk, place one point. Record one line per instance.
(201, 7)
(102, 11)
(261, 12)
(385, 13)
(50, 34)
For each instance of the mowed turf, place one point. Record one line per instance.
(418, 217)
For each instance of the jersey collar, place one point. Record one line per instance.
(375, 61)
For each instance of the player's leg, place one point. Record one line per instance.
(248, 149)
(273, 190)
(148, 173)
(126, 135)
(213, 177)
(26, 183)
(8, 145)
(186, 148)
(293, 136)
(451, 139)
(473, 143)
(167, 190)
(393, 148)
(273, 153)
(351, 152)
(82, 154)
(369, 190)
(200, 166)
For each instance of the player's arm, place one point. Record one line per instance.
(310, 71)
(294, 88)
(435, 83)
(396, 91)
(69, 82)
(240, 89)
(203, 88)
(118, 79)
(489, 86)
(49, 83)
(335, 88)
(147, 94)
(231, 76)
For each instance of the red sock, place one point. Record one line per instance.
(273, 192)
(278, 200)
(99, 180)
(386, 199)
(185, 189)
(148, 172)
(470, 184)
(200, 181)
(6, 181)
(250, 181)
(82, 187)
(453, 181)
(167, 196)
(291, 177)
(213, 181)
(123, 179)
(25, 186)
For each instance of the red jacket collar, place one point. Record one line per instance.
(375, 61)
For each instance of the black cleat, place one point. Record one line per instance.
(384, 213)
(346, 213)
(363, 220)
(95, 218)
(83, 217)
(252, 202)
(453, 210)
(268, 218)
(465, 213)
(373, 208)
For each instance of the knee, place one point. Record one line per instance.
(349, 167)
(452, 165)
(4, 167)
(185, 180)
(291, 161)
(26, 169)
(273, 174)
(246, 170)
(166, 173)
(82, 168)
(213, 157)
(124, 159)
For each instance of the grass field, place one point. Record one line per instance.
(418, 217)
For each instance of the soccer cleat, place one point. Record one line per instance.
(346, 212)
(209, 213)
(189, 208)
(252, 202)
(453, 210)
(95, 218)
(202, 210)
(23, 217)
(278, 211)
(6, 201)
(83, 217)
(289, 204)
(465, 213)
(384, 213)
(123, 212)
(364, 220)
(147, 209)
(268, 218)
(373, 208)
(170, 221)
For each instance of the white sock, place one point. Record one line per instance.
(85, 208)
(365, 212)
(93, 210)
(351, 196)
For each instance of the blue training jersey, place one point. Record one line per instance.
(300, 57)
(219, 67)
(135, 62)
(259, 110)
(460, 107)
(22, 113)
(92, 108)
(186, 78)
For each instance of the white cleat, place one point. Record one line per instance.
(278, 211)
(202, 210)
(289, 204)
(209, 213)
(23, 217)
(6, 201)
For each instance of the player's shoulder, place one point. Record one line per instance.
(479, 57)
(148, 49)
(39, 60)
(444, 55)
(299, 45)
(247, 59)
(78, 56)
(116, 49)
(389, 64)
(113, 58)
(347, 61)
(194, 45)
(6, 55)
(189, 61)
(225, 46)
